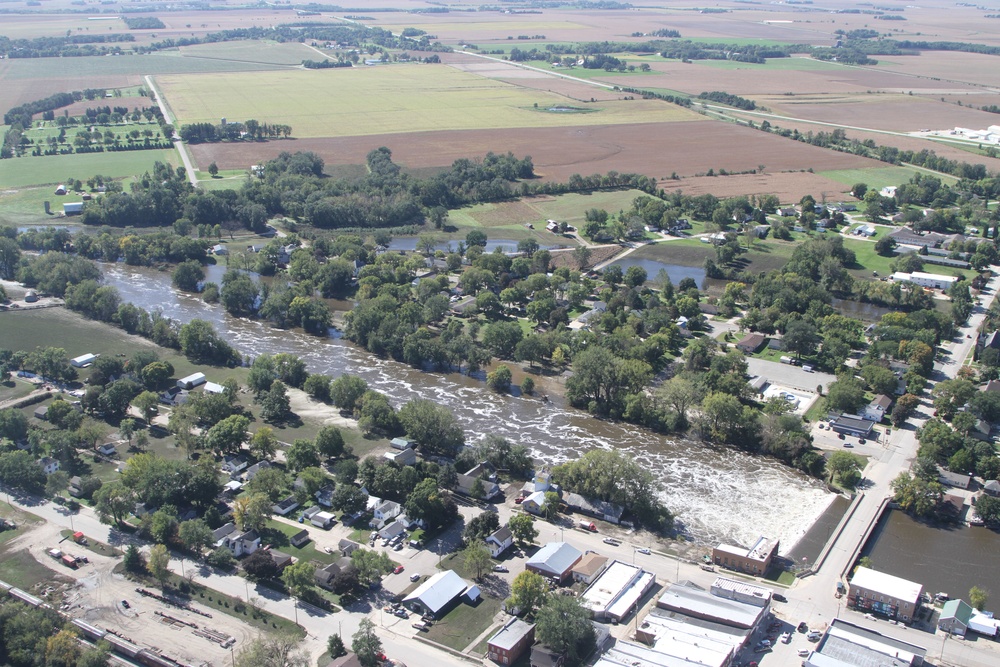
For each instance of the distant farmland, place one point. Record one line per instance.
(51, 169)
(390, 100)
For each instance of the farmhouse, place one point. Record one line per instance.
(884, 594)
(49, 465)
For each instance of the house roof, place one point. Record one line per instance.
(590, 564)
(992, 486)
(887, 584)
(556, 558)
(753, 340)
(387, 507)
(349, 660)
(992, 385)
(511, 634)
(538, 497)
(501, 535)
(882, 401)
(599, 507)
(438, 591)
(954, 478)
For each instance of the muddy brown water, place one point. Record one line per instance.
(718, 494)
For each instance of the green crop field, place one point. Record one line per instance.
(877, 177)
(387, 99)
(52, 169)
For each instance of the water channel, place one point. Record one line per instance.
(718, 494)
(946, 558)
(653, 267)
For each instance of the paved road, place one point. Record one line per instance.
(188, 165)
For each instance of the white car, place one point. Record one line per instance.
(804, 653)
(786, 638)
(643, 550)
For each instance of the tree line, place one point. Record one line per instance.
(250, 130)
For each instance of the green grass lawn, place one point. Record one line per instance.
(12, 389)
(878, 177)
(53, 169)
(464, 623)
(94, 546)
(869, 260)
(278, 533)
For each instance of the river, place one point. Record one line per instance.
(717, 494)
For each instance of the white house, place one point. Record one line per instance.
(242, 544)
(535, 503)
(384, 512)
(406, 457)
(499, 541)
(107, 449)
(49, 465)
(234, 463)
(283, 507)
(322, 519)
(391, 530)
(876, 410)
(220, 249)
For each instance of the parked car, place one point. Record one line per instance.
(500, 568)
(399, 568)
(764, 642)
(126, 604)
(803, 627)
(778, 597)
(643, 550)
(398, 547)
(414, 577)
(786, 638)
(861, 441)
(420, 625)
(708, 568)
(804, 652)
(814, 636)
(612, 541)
(841, 436)
(402, 613)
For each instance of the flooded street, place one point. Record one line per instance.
(718, 494)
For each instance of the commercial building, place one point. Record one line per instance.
(929, 280)
(756, 560)
(510, 643)
(852, 425)
(884, 594)
(554, 561)
(589, 567)
(849, 645)
(957, 618)
(439, 592)
(684, 651)
(695, 602)
(617, 591)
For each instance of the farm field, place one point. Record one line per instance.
(876, 178)
(386, 100)
(53, 169)
(259, 52)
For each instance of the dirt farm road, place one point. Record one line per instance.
(185, 158)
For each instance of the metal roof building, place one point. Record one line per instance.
(555, 559)
(437, 592)
(849, 645)
(690, 599)
(617, 591)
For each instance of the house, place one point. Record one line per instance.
(852, 425)
(311, 512)
(75, 484)
(174, 396)
(617, 591)
(545, 656)
(73, 208)
(552, 226)
(406, 457)
(876, 410)
(499, 541)
(391, 530)
(347, 547)
(884, 594)
(222, 532)
(325, 576)
(954, 479)
(234, 463)
(955, 617)
(437, 594)
(283, 507)
(510, 642)
(324, 496)
(192, 381)
(254, 469)
(42, 412)
(756, 560)
(232, 487)
(220, 249)
(554, 561)
(992, 488)
(534, 503)
(385, 511)
(49, 465)
(402, 443)
(83, 360)
(865, 230)
(598, 509)
(787, 212)
(107, 449)
(992, 340)
(322, 519)
(214, 388)
(992, 385)
(751, 343)
(466, 483)
(411, 524)
(589, 567)
(281, 559)
(464, 307)
(300, 538)
(242, 544)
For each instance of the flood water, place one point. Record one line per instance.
(718, 494)
(653, 267)
(409, 244)
(948, 559)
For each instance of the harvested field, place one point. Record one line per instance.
(597, 255)
(788, 186)
(948, 68)
(261, 52)
(386, 100)
(654, 149)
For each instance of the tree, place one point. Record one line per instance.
(147, 402)
(299, 578)
(886, 246)
(349, 499)
(527, 386)
(113, 502)
(62, 649)
(126, 428)
(264, 444)
(843, 463)
(56, 483)
(481, 526)
(159, 560)
(978, 597)
(346, 391)
(476, 557)
(335, 646)
(681, 394)
(801, 337)
(228, 436)
(846, 394)
(95, 656)
(371, 565)
(528, 592)
(988, 509)
(260, 565)
(272, 651)
(187, 275)
(366, 644)
(330, 442)
(133, 560)
(276, 407)
(564, 625)
(499, 379)
(551, 507)
(213, 169)
(252, 512)
(269, 481)
(195, 534)
(302, 454)
(433, 426)
(318, 387)
(905, 406)
(522, 527)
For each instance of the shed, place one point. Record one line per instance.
(192, 381)
(83, 360)
(322, 520)
(401, 443)
(73, 208)
(214, 388)
(300, 538)
(42, 412)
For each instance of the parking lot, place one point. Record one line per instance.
(827, 439)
